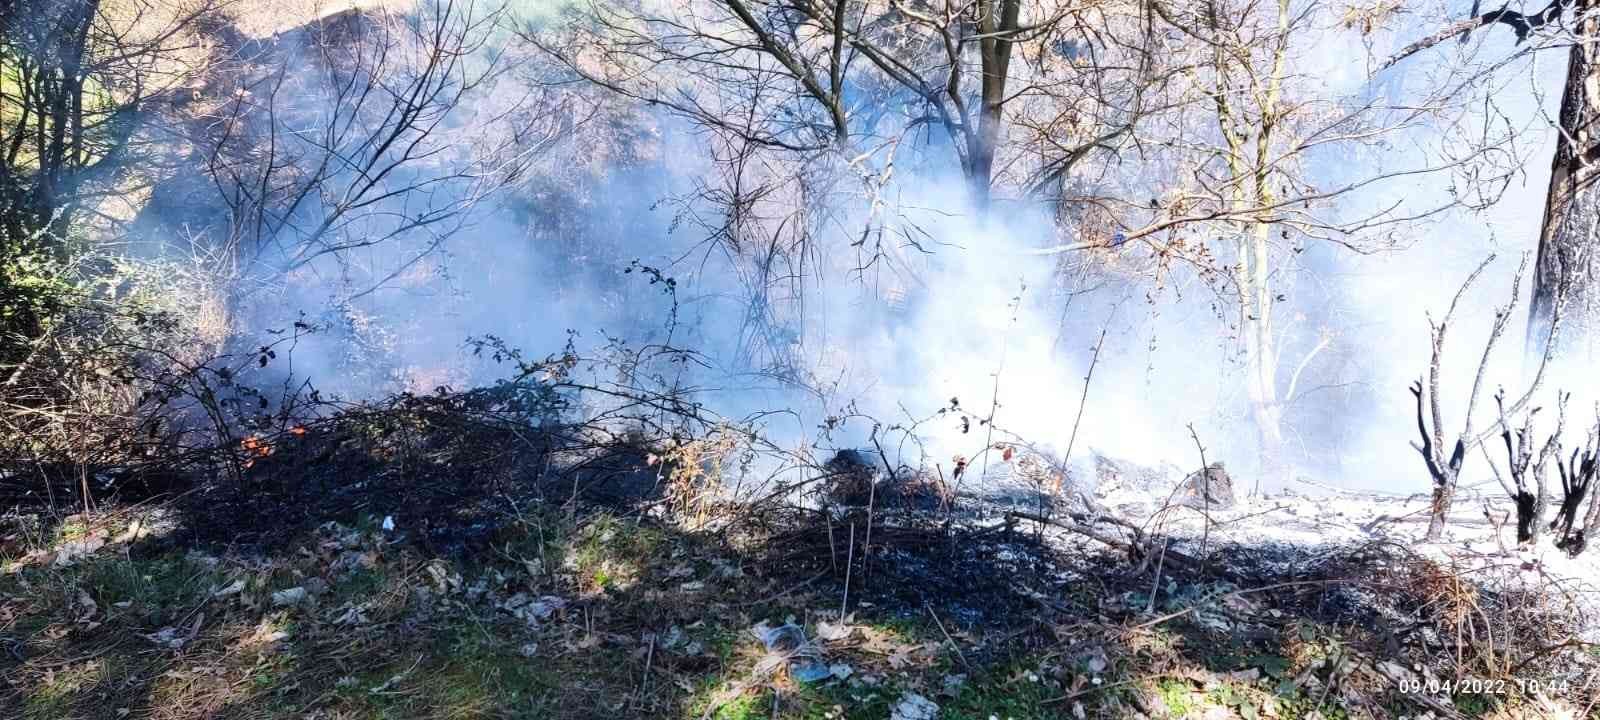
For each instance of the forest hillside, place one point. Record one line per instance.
(735, 359)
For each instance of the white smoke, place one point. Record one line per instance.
(968, 314)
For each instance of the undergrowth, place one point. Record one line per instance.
(593, 614)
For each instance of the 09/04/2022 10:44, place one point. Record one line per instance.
(1480, 686)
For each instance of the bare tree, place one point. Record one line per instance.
(1211, 98)
(1525, 462)
(360, 130)
(815, 118)
(78, 80)
(1573, 526)
(1446, 469)
(851, 80)
(1235, 192)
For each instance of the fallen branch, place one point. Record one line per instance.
(1137, 549)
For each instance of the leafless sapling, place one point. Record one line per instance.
(1522, 460)
(1591, 520)
(1577, 482)
(1446, 470)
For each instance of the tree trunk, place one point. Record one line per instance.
(1443, 496)
(1567, 239)
(996, 18)
(1274, 471)
(1261, 355)
(981, 152)
(1256, 295)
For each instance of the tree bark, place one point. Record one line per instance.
(997, 20)
(1443, 497)
(1567, 238)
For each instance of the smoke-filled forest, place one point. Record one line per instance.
(737, 359)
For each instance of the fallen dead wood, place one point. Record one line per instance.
(1242, 592)
(1137, 549)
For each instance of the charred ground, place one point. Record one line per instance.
(433, 558)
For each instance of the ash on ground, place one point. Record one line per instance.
(1268, 536)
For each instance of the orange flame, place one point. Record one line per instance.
(256, 447)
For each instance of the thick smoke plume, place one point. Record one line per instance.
(938, 306)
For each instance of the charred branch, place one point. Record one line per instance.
(1522, 25)
(1577, 482)
(1446, 471)
(1523, 462)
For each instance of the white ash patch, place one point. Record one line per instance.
(1328, 521)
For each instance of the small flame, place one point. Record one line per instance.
(255, 447)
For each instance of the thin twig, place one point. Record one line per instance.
(953, 645)
(1205, 484)
(872, 497)
(1155, 581)
(1239, 593)
(849, 562)
(644, 680)
(994, 397)
(1083, 400)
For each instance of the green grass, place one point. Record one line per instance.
(1235, 698)
(610, 554)
(420, 650)
(157, 590)
(1177, 696)
(852, 699)
(483, 670)
(1016, 692)
(1474, 705)
(359, 584)
(906, 628)
(747, 707)
(144, 593)
(1298, 705)
(71, 529)
(464, 669)
(54, 698)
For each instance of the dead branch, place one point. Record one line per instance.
(1138, 549)
(1446, 471)
(1520, 458)
(1577, 482)
(1521, 24)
